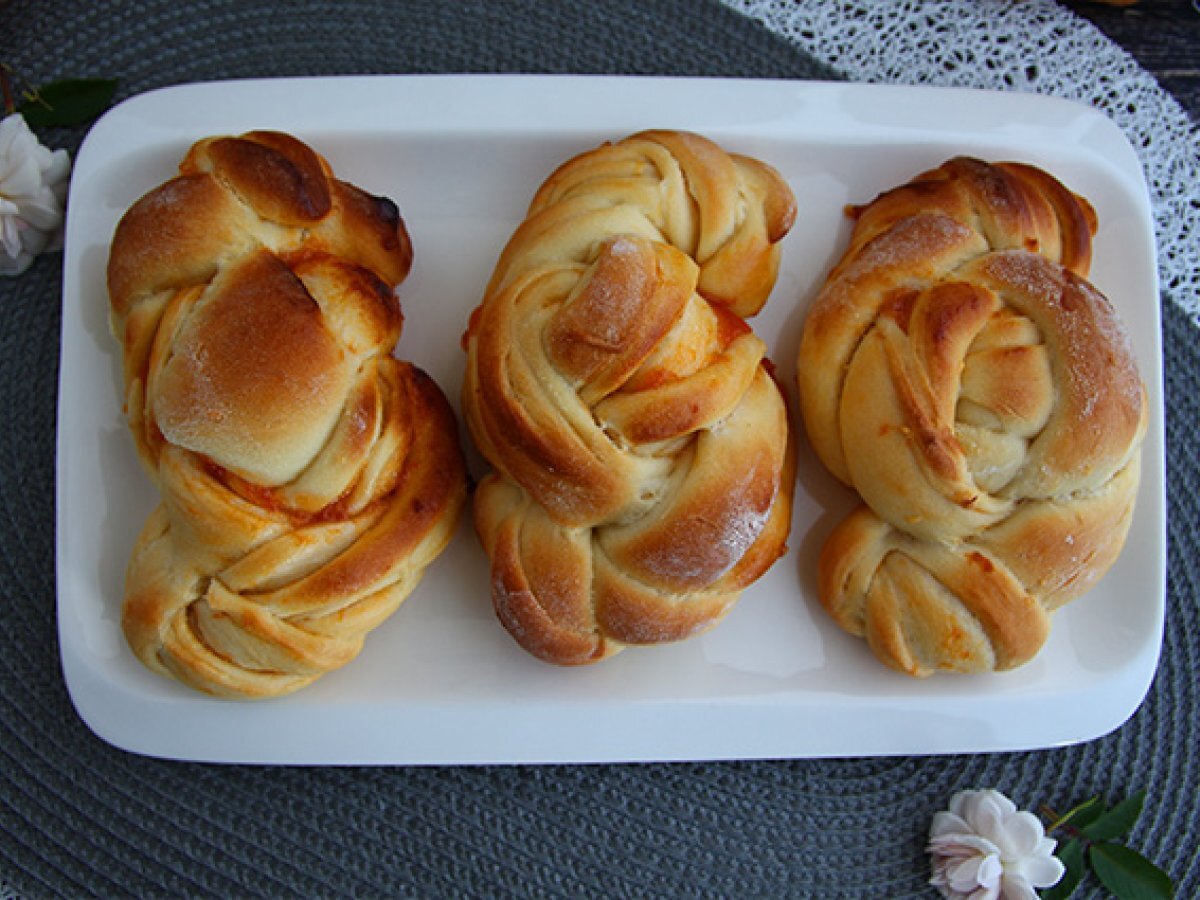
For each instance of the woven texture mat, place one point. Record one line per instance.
(78, 817)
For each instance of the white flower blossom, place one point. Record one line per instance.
(33, 190)
(984, 848)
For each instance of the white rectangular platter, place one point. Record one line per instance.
(441, 682)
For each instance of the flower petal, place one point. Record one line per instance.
(957, 845)
(58, 168)
(964, 875)
(966, 804)
(948, 823)
(1042, 871)
(990, 871)
(33, 240)
(10, 238)
(1007, 807)
(41, 212)
(23, 178)
(1015, 887)
(1023, 832)
(1046, 846)
(989, 820)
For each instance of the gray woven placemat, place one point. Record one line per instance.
(78, 817)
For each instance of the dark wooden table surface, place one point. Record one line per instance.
(1163, 35)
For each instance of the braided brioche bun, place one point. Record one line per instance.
(643, 469)
(962, 375)
(307, 477)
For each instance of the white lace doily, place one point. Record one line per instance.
(1033, 46)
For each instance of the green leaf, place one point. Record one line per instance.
(69, 102)
(1128, 874)
(1071, 856)
(1083, 814)
(1118, 820)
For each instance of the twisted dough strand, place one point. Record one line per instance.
(307, 477)
(643, 465)
(982, 398)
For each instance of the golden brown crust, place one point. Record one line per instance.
(643, 460)
(959, 372)
(307, 476)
